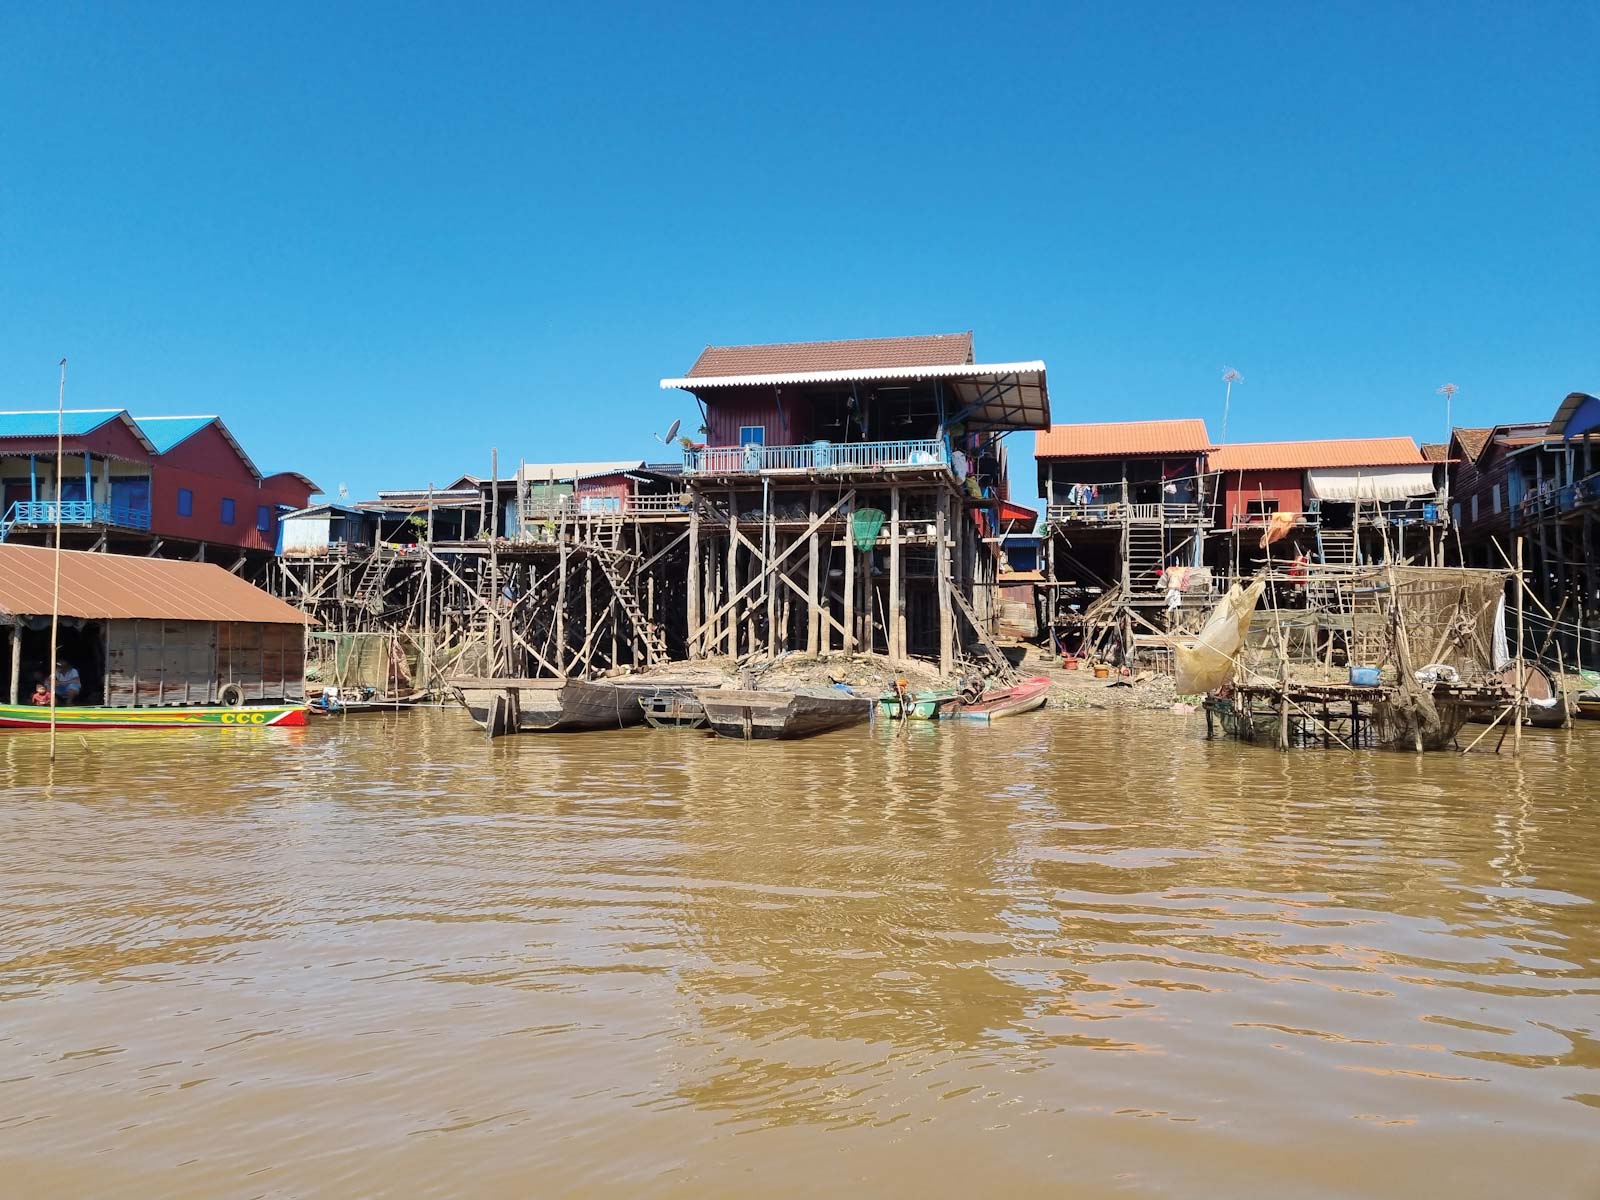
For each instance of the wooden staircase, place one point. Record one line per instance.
(1144, 557)
(618, 567)
(1336, 547)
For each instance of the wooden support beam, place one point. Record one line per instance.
(849, 643)
(692, 610)
(947, 639)
(813, 562)
(896, 625)
(16, 661)
(731, 577)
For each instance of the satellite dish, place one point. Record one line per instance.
(671, 433)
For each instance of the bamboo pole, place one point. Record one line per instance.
(941, 526)
(850, 554)
(693, 597)
(55, 593)
(1522, 667)
(813, 598)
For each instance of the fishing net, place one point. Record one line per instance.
(1207, 663)
(865, 526)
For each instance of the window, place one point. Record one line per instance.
(185, 502)
(1455, 514)
(752, 435)
(1262, 508)
(264, 518)
(227, 511)
(1494, 497)
(1474, 507)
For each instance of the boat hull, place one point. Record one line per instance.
(924, 706)
(765, 716)
(24, 716)
(556, 705)
(1024, 698)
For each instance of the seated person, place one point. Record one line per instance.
(68, 685)
(41, 689)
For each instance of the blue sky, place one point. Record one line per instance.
(379, 241)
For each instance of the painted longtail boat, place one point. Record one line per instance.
(1008, 702)
(787, 715)
(209, 716)
(916, 706)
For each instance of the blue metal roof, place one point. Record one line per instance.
(43, 422)
(166, 432)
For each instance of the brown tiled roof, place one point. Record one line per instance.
(935, 350)
(1474, 441)
(1435, 452)
(1324, 455)
(1113, 439)
(110, 586)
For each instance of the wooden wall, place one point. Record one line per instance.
(156, 663)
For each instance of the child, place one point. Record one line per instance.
(41, 689)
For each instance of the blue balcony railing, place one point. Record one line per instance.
(74, 512)
(817, 456)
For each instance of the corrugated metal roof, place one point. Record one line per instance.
(1325, 454)
(566, 472)
(111, 586)
(1111, 439)
(1578, 414)
(38, 423)
(988, 395)
(788, 358)
(167, 432)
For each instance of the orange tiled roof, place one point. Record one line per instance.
(1329, 454)
(1113, 439)
(784, 358)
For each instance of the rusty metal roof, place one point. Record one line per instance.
(1325, 455)
(785, 358)
(111, 586)
(1116, 439)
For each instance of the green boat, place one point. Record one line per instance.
(915, 706)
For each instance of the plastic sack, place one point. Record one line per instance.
(1206, 663)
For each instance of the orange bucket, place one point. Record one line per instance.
(1102, 672)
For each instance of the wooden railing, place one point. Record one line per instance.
(74, 512)
(817, 456)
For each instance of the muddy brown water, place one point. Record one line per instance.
(1073, 955)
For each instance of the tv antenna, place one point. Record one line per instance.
(1229, 378)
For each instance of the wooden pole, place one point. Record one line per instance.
(427, 601)
(849, 579)
(561, 591)
(896, 628)
(1522, 667)
(693, 598)
(814, 630)
(491, 651)
(16, 661)
(731, 578)
(55, 594)
(941, 527)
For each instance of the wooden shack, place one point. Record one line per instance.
(146, 632)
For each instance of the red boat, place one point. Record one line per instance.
(1008, 702)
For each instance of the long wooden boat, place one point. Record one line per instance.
(754, 714)
(1026, 696)
(209, 716)
(916, 706)
(551, 705)
(1587, 705)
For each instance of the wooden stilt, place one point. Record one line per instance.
(16, 661)
(813, 562)
(849, 645)
(896, 625)
(693, 596)
(941, 521)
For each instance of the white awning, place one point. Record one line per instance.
(1371, 483)
(987, 395)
